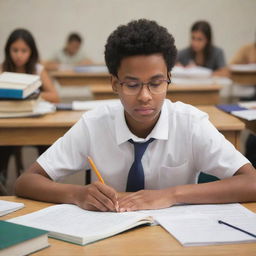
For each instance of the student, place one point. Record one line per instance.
(177, 140)
(247, 55)
(70, 55)
(21, 56)
(202, 52)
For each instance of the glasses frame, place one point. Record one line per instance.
(168, 81)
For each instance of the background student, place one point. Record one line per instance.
(21, 56)
(247, 55)
(70, 55)
(202, 52)
(144, 144)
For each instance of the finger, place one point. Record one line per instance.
(93, 204)
(109, 192)
(104, 200)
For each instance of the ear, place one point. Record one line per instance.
(114, 83)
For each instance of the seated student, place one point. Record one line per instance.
(145, 144)
(21, 56)
(202, 52)
(70, 55)
(247, 55)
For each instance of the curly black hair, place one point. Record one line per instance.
(139, 37)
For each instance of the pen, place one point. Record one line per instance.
(94, 168)
(234, 227)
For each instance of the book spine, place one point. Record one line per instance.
(11, 94)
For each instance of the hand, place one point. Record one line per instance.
(97, 197)
(146, 199)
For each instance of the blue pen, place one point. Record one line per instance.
(234, 227)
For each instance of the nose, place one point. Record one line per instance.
(144, 94)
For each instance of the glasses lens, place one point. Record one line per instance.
(158, 86)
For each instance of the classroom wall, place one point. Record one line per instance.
(233, 21)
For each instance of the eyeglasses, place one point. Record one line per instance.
(155, 86)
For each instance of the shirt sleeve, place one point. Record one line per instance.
(68, 154)
(212, 153)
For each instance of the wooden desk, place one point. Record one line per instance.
(74, 78)
(244, 78)
(150, 241)
(190, 94)
(46, 129)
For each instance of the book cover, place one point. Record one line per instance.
(18, 86)
(17, 239)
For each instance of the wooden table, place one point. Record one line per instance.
(190, 94)
(150, 241)
(46, 129)
(84, 78)
(244, 77)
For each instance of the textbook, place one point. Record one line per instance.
(17, 85)
(18, 240)
(73, 224)
(244, 110)
(191, 72)
(8, 207)
(19, 105)
(41, 108)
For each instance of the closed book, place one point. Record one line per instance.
(18, 86)
(19, 105)
(18, 240)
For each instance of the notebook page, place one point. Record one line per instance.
(73, 221)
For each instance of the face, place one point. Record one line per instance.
(142, 109)
(73, 47)
(198, 41)
(20, 53)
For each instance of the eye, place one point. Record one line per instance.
(132, 84)
(156, 82)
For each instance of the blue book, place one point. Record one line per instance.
(18, 86)
(230, 107)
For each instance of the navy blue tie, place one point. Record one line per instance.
(135, 180)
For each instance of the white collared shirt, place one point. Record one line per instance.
(185, 144)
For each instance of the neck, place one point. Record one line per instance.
(141, 130)
(20, 70)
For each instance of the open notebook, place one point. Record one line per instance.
(190, 224)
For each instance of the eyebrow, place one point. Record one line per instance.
(137, 79)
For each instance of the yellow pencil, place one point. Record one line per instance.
(94, 168)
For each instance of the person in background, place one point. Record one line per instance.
(21, 56)
(70, 55)
(202, 52)
(247, 55)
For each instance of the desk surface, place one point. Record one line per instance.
(46, 129)
(244, 77)
(148, 241)
(220, 119)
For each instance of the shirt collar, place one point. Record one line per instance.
(160, 131)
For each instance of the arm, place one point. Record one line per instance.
(221, 72)
(36, 184)
(49, 92)
(239, 188)
(51, 65)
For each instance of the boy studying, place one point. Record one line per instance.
(144, 144)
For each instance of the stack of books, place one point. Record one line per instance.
(19, 94)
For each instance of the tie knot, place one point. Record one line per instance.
(140, 148)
